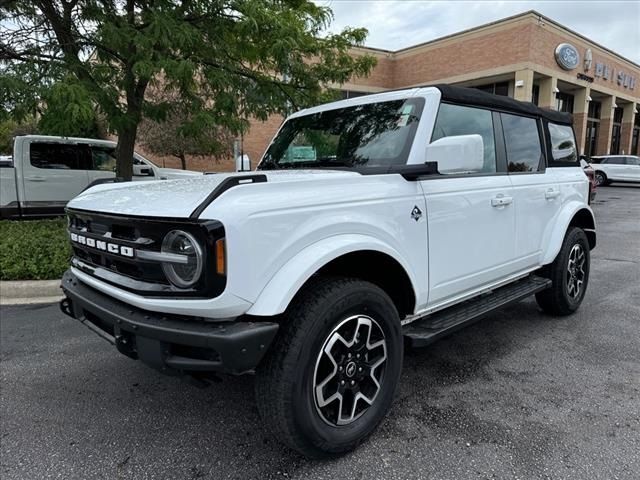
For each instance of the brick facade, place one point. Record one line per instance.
(518, 50)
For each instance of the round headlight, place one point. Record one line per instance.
(186, 269)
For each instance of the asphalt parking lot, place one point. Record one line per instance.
(518, 395)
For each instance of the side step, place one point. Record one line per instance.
(430, 328)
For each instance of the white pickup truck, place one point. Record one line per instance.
(371, 224)
(46, 172)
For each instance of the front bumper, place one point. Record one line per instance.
(170, 343)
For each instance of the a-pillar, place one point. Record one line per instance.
(523, 93)
(547, 95)
(626, 132)
(580, 110)
(606, 125)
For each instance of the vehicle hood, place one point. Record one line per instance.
(178, 198)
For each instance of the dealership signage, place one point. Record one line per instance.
(568, 57)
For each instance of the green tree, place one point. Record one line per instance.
(10, 128)
(183, 133)
(68, 111)
(228, 59)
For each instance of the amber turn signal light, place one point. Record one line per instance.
(221, 257)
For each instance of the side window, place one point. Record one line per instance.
(633, 161)
(103, 158)
(456, 120)
(522, 140)
(60, 156)
(563, 146)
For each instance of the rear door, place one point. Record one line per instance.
(471, 218)
(537, 190)
(54, 173)
(614, 167)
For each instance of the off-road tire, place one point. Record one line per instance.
(556, 300)
(285, 379)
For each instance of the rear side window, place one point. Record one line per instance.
(60, 156)
(454, 120)
(522, 141)
(614, 161)
(563, 146)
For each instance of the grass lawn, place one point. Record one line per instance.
(33, 249)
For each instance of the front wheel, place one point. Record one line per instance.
(569, 274)
(331, 376)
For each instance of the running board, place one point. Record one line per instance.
(430, 328)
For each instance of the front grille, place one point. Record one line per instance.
(130, 235)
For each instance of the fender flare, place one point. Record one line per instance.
(561, 225)
(287, 281)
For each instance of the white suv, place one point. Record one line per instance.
(616, 168)
(371, 224)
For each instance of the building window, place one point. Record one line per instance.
(564, 102)
(535, 94)
(615, 131)
(593, 127)
(594, 110)
(501, 88)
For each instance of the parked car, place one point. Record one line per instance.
(46, 172)
(371, 223)
(616, 168)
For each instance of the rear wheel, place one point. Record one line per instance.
(601, 178)
(569, 274)
(331, 376)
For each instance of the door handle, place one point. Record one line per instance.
(36, 179)
(501, 201)
(551, 194)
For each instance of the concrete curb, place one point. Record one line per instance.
(29, 292)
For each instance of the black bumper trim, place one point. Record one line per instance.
(169, 343)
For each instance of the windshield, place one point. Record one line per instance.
(374, 134)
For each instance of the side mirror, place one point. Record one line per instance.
(457, 154)
(243, 163)
(142, 171)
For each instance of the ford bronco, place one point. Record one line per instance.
(371, 224)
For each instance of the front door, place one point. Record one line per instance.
(471, 216)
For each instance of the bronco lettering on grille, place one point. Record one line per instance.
(114, 248)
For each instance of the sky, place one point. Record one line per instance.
(397, 24)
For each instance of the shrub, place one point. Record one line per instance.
(33, 249)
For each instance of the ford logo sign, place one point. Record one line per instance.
(567, 56)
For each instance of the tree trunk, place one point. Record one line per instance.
(183, 161)
(124, 152)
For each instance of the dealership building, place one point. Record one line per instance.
(528, 57)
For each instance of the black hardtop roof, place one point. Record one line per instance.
(473, 96)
